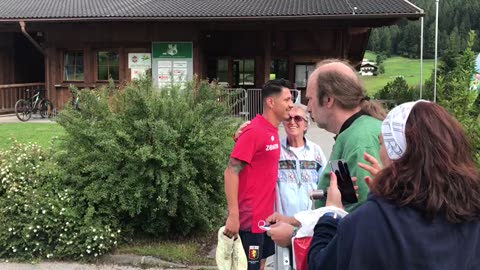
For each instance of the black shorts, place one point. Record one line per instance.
(257, 246)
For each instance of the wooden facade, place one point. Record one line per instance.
(293, 46)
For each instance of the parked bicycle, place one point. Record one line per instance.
(24, 108)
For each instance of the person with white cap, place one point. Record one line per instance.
(423, 209)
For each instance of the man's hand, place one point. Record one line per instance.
(232, 226)
(281, 233)
(277, 218)
(240, 130)
(334, 197)
(373, 168)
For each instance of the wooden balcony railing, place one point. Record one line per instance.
(10, 93)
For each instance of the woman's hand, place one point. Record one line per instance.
(240, 130)
(373, 168)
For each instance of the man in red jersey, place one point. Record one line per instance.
(252, 172)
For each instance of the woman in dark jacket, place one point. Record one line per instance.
(423, 211)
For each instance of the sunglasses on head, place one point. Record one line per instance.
(296, 118)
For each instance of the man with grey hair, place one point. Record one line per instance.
(338, 103)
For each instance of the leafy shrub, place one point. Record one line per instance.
(149, 160)
(40, 219)
(396, 92)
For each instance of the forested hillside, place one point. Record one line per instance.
(456, 19)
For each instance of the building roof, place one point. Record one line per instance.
(39, 10)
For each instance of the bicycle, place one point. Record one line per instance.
(24, 108)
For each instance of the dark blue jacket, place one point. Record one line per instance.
(380, 235)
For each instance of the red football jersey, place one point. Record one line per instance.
(259, 147)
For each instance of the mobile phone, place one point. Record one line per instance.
(344, 180)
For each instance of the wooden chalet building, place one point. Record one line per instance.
(241, 43)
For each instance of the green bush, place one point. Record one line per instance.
(39, 218)
(149, 160)
(396, 92)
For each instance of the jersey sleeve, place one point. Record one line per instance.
(246, 146)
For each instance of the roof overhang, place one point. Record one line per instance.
(410, 16)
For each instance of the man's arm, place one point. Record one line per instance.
(231, 173)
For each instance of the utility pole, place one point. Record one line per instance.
(436, 52)
(421, 56)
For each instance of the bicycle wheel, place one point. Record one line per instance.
(45, 108)
(23, 110)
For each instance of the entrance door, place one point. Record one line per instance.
(243, 73)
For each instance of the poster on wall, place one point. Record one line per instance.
(180, 72)
(139, 60)
(173, 63)
(139, 64)
(137, 73)
(164, 73)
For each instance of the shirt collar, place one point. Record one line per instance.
(284, 142)
(350, 121)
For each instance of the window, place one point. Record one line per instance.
(279, 69)
(73, 66)
(107, 65)
(302, 72)
(244, 72)
(222, 70)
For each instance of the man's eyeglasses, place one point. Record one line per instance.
(296, 118)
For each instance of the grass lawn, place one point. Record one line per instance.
(189, 252)
(397, 66)
(40, 133)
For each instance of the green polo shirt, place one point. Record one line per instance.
(360, 137)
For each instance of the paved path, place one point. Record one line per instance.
(67, 266)
(11, 118)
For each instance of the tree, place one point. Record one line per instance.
(396, 92)
(455, 96)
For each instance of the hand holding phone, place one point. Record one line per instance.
(344, 180)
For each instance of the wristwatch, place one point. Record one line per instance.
(333, 215)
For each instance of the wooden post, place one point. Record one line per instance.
(267, 54)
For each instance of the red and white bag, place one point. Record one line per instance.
(302, 240)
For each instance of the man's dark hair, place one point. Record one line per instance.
(274, 87)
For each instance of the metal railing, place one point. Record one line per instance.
(10, 93)
(247, 103)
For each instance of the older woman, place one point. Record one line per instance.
(423, 211)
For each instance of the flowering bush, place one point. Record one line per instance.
(41, 219)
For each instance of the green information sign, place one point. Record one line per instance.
(172, 49)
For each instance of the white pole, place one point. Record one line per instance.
(436, 52)
(421, 56)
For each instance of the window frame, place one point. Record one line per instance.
(96, 60)
(305, 64)
(64, 65)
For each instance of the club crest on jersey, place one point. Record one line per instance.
(272, 138)
(253, 252)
